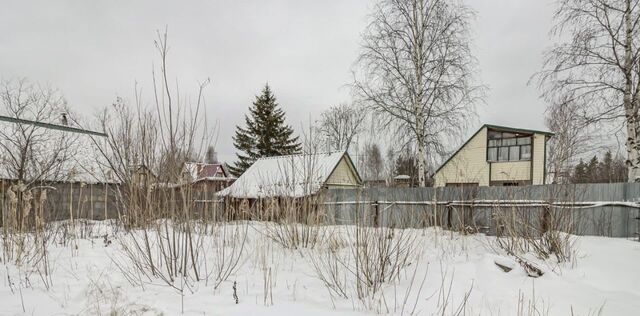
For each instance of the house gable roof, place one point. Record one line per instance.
(352, 167)
(493, 127)
(291, 175)
(199, 170)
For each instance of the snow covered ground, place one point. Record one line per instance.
(445, 274)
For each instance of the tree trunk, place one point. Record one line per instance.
(421, 179)
(631, 110)
(633, 146)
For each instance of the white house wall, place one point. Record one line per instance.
(469, 165)
(539, 157)
(343, 175)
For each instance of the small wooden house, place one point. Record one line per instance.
(288, 186)
(295, 176)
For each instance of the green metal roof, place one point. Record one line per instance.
(51, 126)
(494, 127)
(516, 130)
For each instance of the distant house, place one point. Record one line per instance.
(402, 181)
(211, 177)
(497, 156)
(295, 176)
(142, 175)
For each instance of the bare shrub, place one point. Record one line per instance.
(543, 230)
(26, 243)
(358, 260)
(329, 267)
(170, 252)
(294, 222)
(170, 237)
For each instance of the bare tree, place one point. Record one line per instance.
(132, 139)
(32, 152)
(160, 138)
(374, 162)
(570, 141)
(390, 165)
(340, 124)
(416, 71)
(597, 67)
(405, 164)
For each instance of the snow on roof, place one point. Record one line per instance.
(290, 176)
(79, 159)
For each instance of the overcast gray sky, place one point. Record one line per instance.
(94, 51)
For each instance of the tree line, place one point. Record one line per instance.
(607, 170)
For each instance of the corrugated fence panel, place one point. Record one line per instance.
(481, 208)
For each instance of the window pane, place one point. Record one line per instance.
(494, 142)
(525, 152)
(514, 153)
(524, 140)
(503, 154)
(508, 142)
(508, 135)
(492, 154)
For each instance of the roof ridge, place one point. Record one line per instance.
(302, 154)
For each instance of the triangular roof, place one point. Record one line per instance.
(201, 170)
(497, 128)
(291, 175)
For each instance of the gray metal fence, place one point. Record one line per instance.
(593, 209)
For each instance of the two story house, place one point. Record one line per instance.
(497, 155)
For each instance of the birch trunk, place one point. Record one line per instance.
(631, 109)
(421, 166)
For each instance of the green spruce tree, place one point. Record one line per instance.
(591, 170)
(606, 168)
(579, 173)
(266, 134)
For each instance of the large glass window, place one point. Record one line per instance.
(492, 154)
(503, 153)
(524, 140)
(509, 141)
(525, 152)
(503, 146)
(514, 153)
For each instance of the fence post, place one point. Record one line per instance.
(376, 213)
(546, 219)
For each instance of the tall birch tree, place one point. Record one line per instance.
(416, 71)
(596, 65)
